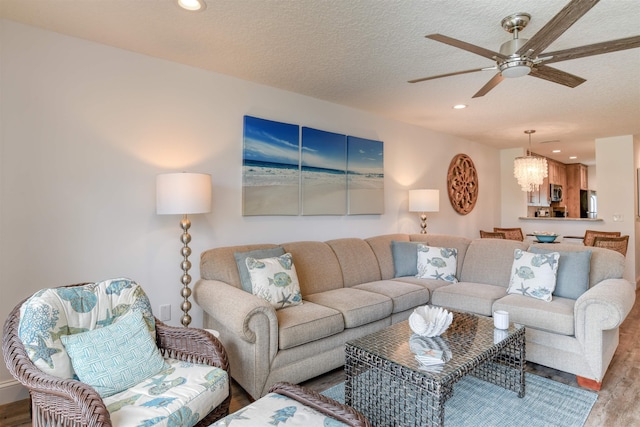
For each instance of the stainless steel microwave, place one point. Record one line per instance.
(555, 192)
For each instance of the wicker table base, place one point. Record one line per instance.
(387, 384)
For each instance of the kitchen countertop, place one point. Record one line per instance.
(551, 218)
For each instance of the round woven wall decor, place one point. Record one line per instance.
(462, 184)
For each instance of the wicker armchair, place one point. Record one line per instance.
(67, 402)
(510, 233)
(492, 235)
(590, 235)
(618, 244)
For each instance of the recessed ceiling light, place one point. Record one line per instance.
(573, 157)
(459, 106)
(556, 151)
(192, 5)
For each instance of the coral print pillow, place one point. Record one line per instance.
(275, 280)
(534, 275)
(437, 263)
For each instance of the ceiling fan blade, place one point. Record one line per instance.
(446, 75)
(556, 76)
(556, 26)
(466, 46)
(593, 49)
(490, 85)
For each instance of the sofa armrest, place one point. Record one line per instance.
(235, 308)
(603, 307)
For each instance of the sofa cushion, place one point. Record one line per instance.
(430, 284)
(404, 295)
(307, 322)
(405, 258)
(275, 280)
(181, 395)
(241, 257)
(489, 261)
(381, 246)
(472, 297)
(437, 263)
(317, 266)
(533, 275)
(358, 307)
(555, 316)
(573, 272)
(357, 261)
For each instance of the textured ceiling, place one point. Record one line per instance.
(361, 53)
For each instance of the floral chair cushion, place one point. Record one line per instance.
(52, 313)
(277, 410)
(178, 396)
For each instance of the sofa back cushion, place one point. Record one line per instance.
(357, 260)
(489, 261)
(605, 263)
(381, 246)
(220, 263)
(446, 241)
(317, 266)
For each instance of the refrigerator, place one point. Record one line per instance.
(588, 204)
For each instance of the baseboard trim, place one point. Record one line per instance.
(12, 391)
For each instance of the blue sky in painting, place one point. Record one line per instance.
(269, 141)
(321, 149)
(365, 155)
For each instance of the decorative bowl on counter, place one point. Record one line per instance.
(545, 237)
(430, 321)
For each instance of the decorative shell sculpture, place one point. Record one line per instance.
(429, 321)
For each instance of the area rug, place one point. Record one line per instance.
(478, 403)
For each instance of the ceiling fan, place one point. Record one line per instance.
(519, 57)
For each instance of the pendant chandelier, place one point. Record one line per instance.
(530, 171)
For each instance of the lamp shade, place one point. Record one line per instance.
(424, 200)
(183, 193)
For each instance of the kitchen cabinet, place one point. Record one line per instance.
(557, 173)
(576, 181)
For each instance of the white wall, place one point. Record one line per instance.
(615, 158)
(85, 128)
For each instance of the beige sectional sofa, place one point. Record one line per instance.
(349, 290)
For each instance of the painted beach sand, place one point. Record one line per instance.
(270, 189)
(324, 192)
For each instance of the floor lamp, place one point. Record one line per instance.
(184, 194)
(424, 201)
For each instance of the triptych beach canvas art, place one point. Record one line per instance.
(293, 170)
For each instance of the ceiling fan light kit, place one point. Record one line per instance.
(520, 57)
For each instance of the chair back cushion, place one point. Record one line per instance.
(52, 313)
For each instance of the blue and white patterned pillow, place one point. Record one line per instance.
(52, 313)
(275, 280)
(534, 275)
(437, 263)
(116, 357)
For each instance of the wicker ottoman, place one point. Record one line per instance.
(295, 406)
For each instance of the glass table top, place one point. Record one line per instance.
(468, 337)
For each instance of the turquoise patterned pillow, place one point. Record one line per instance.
(533, 275)
(241, 257)
(116, 357)
(437, 263)
(275, 280)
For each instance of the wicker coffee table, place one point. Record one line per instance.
(387, 384)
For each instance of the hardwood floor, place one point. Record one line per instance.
(616, 405)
